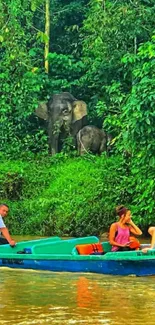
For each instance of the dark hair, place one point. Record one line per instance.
(4, 204)
(121, 209)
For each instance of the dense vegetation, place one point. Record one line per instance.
(104, 53)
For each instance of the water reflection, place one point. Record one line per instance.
(28, 297)
(88, 293)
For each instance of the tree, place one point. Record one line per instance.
(111, 30)
(47, 34)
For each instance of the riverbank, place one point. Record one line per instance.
(66, 196)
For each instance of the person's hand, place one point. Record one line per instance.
(126, 244)
(130, 222)
(12, 243)
(146, 249)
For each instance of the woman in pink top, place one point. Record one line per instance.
(121, 231)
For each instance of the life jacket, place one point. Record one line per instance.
(134, 243)
(90, 249)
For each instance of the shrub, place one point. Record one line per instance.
(64, 196)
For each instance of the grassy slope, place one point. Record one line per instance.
(61, 195)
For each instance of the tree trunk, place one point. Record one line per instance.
(135, 45)
(47, 33)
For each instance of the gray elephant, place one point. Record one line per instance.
(91, 139)
(65, 115)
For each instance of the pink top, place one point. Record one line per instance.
(122, 237)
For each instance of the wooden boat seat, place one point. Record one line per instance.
(27, 246)
(106, 246)
(65, 246)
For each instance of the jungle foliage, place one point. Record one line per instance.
(104, 53)
(62, 195)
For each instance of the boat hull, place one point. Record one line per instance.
(119, 267)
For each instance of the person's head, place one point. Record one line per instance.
(4, 209)
(123, 213)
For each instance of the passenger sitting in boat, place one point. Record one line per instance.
(7, 239)
(121, 231)
(151, 231)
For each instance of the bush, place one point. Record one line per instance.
(63, 196)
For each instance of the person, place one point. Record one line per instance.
(6, 239)
(151, 231)
(120, 231)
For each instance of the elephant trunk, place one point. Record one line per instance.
(53, 137)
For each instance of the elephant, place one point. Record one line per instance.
(65, 115)
(92, 139)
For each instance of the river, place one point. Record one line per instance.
(39, 297)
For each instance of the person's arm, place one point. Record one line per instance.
(134, 229)
(5, 233)
(112, 234)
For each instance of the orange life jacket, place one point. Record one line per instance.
(90, 249)
(134, 243)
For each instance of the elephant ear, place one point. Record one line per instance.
(79, 110)
(42, 111)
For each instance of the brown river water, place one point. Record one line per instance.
(38, 297)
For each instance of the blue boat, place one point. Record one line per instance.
(59, 255)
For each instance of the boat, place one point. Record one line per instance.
(64, 255)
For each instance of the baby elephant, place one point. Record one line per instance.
(90, 138)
